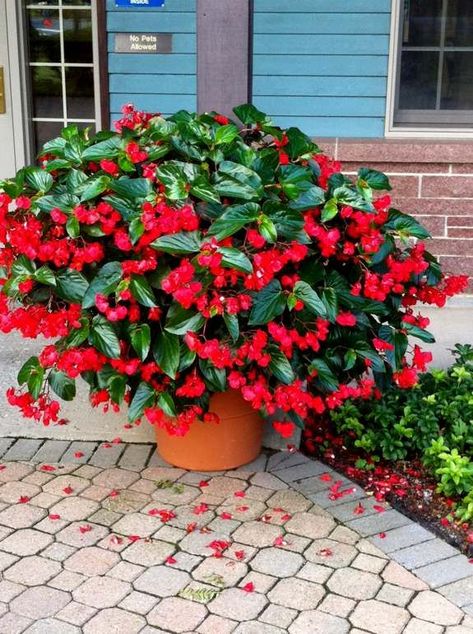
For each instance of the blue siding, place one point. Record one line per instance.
(322, 66)
(153, 82)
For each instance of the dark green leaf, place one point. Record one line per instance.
(140, 337)
(234, 219)
(309, 297)
(187, 357)
(235, 259)
(326, 380)
(280, 366)
(174, 179)
(142, 291)
(226, 133)
(166, 351)
(103, 337)
(136, 230)
(238, 181)
(267, 229)
(232, 324)
(310, 198)
(64, 202)
(117, 388)
(38, 179)
(104, 283)
(71, 285)
(78, 335)
(124, 207)
(132, 188)
(419, 333)
(62, 385)
(405, 226)
(23, 266)
(365, 351)
(166, 404)
(299, 143)
(215, 378)
(30, 366)
(73, 227)
(267, 304)
(330, 300)
(144, 397)
(349, 359)
(375, 179)
(179, 320)
(396, 339)
(44, 275)
(93, 187)
(201, 188)
(330, 210)
(179, 243)
(249, 114)
(107, 149)
(347, 195)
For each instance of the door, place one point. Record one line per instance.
(8, 151)
(50, 65)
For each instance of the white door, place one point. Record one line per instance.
(8, 153)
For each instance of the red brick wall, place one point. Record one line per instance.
(432, 180)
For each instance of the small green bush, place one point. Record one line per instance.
(433, 421)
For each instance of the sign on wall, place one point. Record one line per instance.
(143, 42)
(139, 3)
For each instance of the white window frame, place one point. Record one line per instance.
(29, 119)
(397, 131)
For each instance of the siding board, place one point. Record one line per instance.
(322, 65)
(323, 6)
(153, 82)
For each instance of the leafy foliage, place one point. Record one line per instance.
(179, 257)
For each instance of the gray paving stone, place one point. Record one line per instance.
(350, 510)
(236, 604)
(51, 451)
(301, 471)
(417, 626)
(277, 562)
(13, 623)
(177, 615)
(354, 584)
(76, 613)
(25, 542)
(381, 522)
(297, 594)
(403, 537)
(424, 554)
(258, 628)
(379, 617)
(314, 621)
(114, 620)
(429, 606)
(162, 581)
(460, 592)
(107, 456)
(87, 448)
(326, 500)
(138, 602)
(52, 626)
(32, 571)
(446, 571)
(101, 592)
(313, 484)
(214, 624)
(39, 602)
(285, 459)
(23, 449)
(5, 444)
(136, 456)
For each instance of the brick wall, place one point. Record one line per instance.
(432, 180)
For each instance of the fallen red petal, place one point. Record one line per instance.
(23, 499)
(68, 490)
(85, 529)
(378, 508)
(47, 467)
(54, 516)
(200, 508)
(226, 516)
(171, 560)
(116, 540)
(203, 483)
(325, 552)
(326, 477)
(240, 554)
(239, 494)
(249, 587)
(382, 535)
(78, 454)
(134, 538)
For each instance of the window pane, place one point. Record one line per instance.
(84, 3)
(457, 84)
(45, 131)
(459, 27)
(44, 35)
(418, 87)
(80, 93)
(422, 22)
(47, 92)
(77, 36)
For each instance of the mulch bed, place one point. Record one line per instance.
(407, 486)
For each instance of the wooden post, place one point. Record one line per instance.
(224, 35)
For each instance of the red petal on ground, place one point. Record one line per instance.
(171, 560)
(78, 454)
(249, 587)
(134, 538)
(200, 508)
(359, 509)
(47, 467)
(226, 516)
(240, 554)
(325, 552)
(54, 516)
(239, 494)
(86, 528)
(242, 509)
(116, 540)
(378, 508)
(190, 528)
(203, 483)
(23, 499)
(116, 441)
(382, 535)
(68, 490)
(326, 477)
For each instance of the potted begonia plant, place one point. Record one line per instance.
(202, 272)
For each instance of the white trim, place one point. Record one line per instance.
(396, 132)
(15, 45)
(96, 61)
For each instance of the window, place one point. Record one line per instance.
(60, 58)
(434, 82)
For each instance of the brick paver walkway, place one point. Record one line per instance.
(126, 544)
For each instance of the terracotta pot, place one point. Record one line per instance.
(233, 442)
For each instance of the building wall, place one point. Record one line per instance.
(153, 82)
(322, 65)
